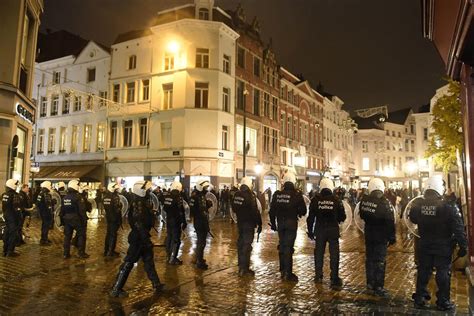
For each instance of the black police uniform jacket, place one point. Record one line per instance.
(199, 207)
(113, 207)
(45, 203)
(377, 212)
(11, 206)
(328, 211)
(440, 224)
(173, 206)
(71, 207)
(245, 207)
(287, 204)
(141, 219)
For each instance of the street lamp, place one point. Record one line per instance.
(411, 167)
(258, 168)
(244, 144)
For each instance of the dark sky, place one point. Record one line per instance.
(367, 52)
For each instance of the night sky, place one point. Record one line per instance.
(367, 52)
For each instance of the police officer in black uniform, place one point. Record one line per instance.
(11, 206)
(440, 227)
(46, 210)
(61, 188)
(172, 202)
(379, 230)
(245, 207)
(329, 212)
(27, 207)
(113, 216)
(71, 216)
(200, 213)
(286, 207)
(141, 219)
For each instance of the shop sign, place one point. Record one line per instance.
(24, 113)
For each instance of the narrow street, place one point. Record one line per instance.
(40, 280)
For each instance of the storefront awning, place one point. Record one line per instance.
(86, 173)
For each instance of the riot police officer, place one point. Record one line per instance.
(141, 220)
(200, 213)
(440, 227)
(46, 210)
(86, 207)
(27, 207)
(71, 216)
(11, 206)
(286, 207)
(175, 221)
(113, 216)
(379, 231)
(61, 188)
(245, 207)
(329, 212)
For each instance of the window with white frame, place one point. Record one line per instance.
(290, 127)
(66, 103)
(74, 138)
(274, 141)
(166, 135)
(226, 64)
(102, 98)
(225, 137)
(132, 62)
(425, 134)
(127, 133)
(62, 140)
(282, 124)
(86, 141)
(77, 103)
(44, 106)
(266, 139)
(145, 89)
(167, 96)
(202, 58)
(89, 102)
(283, 157)
(56, 77)
(100, 136)
(226, 99)
(40, 141)
(113, 134)
(90, 74)
(131, 92)
(201, 95)
(203, 14)
(54, 104)
(266, 105)
(143, 131)
(274, 108)
(365, 164)
(116, 93)
(251, 140)
(365, 146)
(169, 61)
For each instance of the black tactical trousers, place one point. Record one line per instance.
(287, 236)
(137, 250)
(173, 238)
(324, 236)
(111, 236)
(442, 264)
(71, 224)
(375, 254)
(244, 244)
(10, 237)
(46, 222)
(200, 244)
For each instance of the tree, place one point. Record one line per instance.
(447, 137)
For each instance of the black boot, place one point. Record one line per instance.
(158, 287)
(122, 276)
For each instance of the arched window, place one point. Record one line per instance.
(203, 14)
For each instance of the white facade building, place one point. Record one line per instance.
(71, 117)
(174, 87)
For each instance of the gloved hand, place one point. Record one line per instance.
(183, 226)
(273, 227)
(462, 252)
(310, 235)
(259, 229)
(392, 242)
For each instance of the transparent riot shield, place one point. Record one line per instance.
(413, 228)
(344, 226)
(57, 208)
(359, 222)
(124, 202)
(233, 215)
(212, 211)
(187, 211)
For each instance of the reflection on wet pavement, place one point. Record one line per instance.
(41, 281)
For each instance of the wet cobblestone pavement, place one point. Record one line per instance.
(40, 281)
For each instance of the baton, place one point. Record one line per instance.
(210, 233)
(455, 259)
(258, 237)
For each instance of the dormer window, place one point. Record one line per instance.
(203, 14)
(132, 62)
